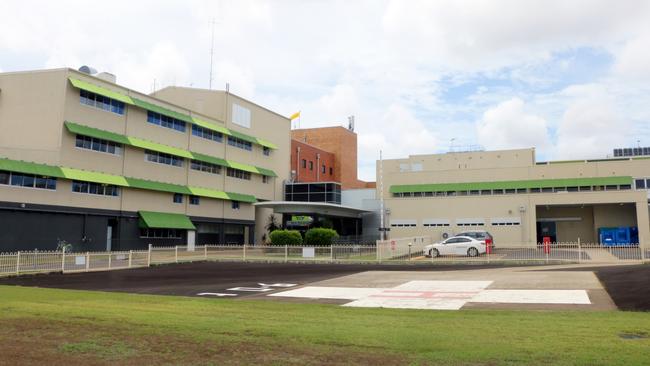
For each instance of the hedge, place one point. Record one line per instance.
(320, 236)
(285, 237)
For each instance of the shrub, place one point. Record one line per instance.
(320, 236)
(285, 237)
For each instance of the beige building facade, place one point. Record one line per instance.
(515, 198)
(83, 158)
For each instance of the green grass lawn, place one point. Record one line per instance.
(46, 326)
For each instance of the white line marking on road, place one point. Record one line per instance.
(215, 294)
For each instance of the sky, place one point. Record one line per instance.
(570, 78)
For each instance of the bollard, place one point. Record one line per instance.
(149, 256)
(63, 259)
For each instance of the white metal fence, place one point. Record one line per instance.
(410, 250)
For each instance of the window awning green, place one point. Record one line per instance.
(80, 84)
(520, 184)
(150, 145)
(210, 126)
(103, 178)
(163, 220)
(162, 110)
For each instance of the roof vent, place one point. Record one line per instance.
(87, 70)
(107, 76)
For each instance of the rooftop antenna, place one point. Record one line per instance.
(351, 123)
(451, 144)
(212, 23)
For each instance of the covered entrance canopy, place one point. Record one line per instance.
(301, 216)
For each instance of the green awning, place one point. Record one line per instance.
(162, 110)
(520, 184)
(150, 145)
(80, 84)
(163, 220)
(103, 178)
(210, 126)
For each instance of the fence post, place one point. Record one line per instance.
(579, 251)
(149, 256)
(130, 257)
(643, 249)
(87, 261)
(18, 262)
(176, 254)
(62, 259)
(205, 251)
(286, 253)
(331, 253)
(110, 259)
(244, 252)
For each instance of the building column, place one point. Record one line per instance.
(643, 223)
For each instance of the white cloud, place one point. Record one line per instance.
(508, 126)
(633, 59)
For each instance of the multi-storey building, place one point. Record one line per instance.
(88, 162)
(520, 201)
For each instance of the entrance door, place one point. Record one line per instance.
(546, 228)
(109, 238)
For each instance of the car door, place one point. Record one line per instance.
(461, 246)
(447, 246)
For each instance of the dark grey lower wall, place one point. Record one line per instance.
(43, 227)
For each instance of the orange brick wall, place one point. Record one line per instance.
(342, 143)
(301, 151)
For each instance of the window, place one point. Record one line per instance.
(101, 102)
(311, 165)
(241, 116)
(205, 167)
(194, 200)
(235, 205)
(265, 179)
(323, 169)
(331, 171)
(91, 143)
(236, 173)
(303, 163)
(165, 121)
(237, 142)
(95, 188)
(178, 198)
(27, 180)
(161, 233)
(162, 158)
(266, 151)
(207, 134)
(639, 183)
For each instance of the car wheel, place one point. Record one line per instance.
(472, 252)
(434, 253)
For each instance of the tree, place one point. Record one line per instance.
(273, 224)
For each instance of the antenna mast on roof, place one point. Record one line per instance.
(212, 23)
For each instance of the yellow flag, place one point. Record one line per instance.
(294, 116)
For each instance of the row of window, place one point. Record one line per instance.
(236, 173)
(102, 102)
(95, 188)
(115, 106)
(242, 144)
(207, 134)
(323, 168)
(162, 158)
(92, 143)
(205, 167)
(488, 192)
(161, 233)
(445, 223)
(27, 180)
(166, 121)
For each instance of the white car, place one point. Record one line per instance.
(457, 245)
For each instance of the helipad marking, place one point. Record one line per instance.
(437, 295)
